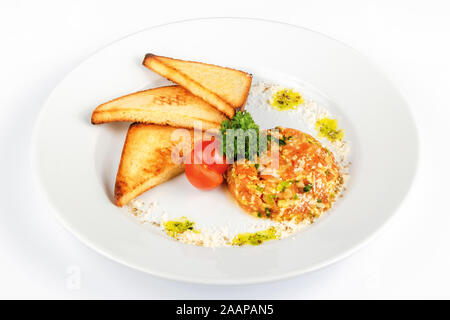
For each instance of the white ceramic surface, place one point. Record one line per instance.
(75, 162)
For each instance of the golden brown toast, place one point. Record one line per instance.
(146, 160)
(224, 88)
(172, 105)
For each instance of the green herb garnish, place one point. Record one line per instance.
(245, 133)
(308, 187)
(269, 198)
(282, 185)
(280, 142)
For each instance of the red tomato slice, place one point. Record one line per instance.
(201, 177)
(207, 166)
(213, 157)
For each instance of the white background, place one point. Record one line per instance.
(41, 41)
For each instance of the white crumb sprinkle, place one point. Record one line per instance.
(214, 237)
(308, 112)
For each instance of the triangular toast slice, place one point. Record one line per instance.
(172, 105)
(147, 159)
(224, 88)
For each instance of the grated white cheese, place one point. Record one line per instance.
(153, 216)
(309, 112)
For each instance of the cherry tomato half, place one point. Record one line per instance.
(207, 166)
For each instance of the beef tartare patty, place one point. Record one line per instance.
(302, 186)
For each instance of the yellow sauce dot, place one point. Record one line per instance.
(180, 225)
(328, 128)
(286, 99)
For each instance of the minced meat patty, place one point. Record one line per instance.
(302, 186)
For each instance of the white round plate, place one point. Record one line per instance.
(76, 162)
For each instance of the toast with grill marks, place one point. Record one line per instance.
(147, 159)
(171, 105)
(224, 88)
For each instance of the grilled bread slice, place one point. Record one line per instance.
(172, 105)
(224, 88)
(147, 159)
